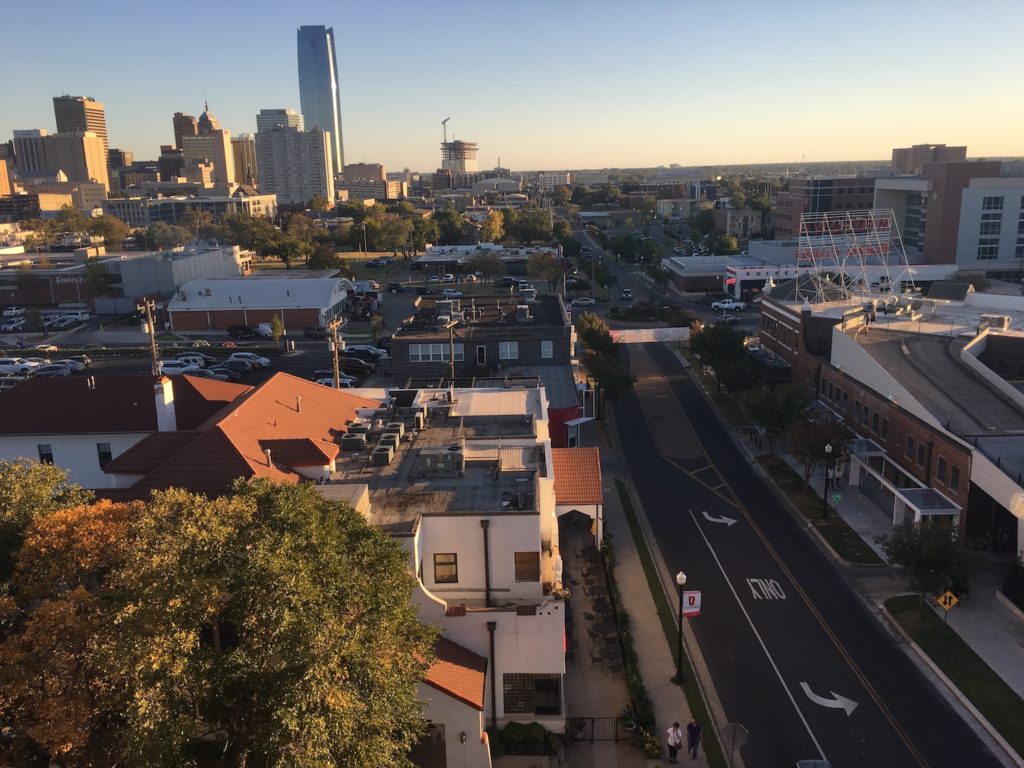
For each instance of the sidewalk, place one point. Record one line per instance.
(656, 661)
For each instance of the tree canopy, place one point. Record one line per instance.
(933, 556)
(776, 410)
(271, 628)
(493, 228)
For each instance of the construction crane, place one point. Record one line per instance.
(444, 128)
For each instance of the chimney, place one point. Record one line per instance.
(267, 452)
(163, 392)
(298, 403)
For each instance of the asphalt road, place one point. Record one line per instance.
(796, 656)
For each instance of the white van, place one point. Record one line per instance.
(176, 367)
(79, 315)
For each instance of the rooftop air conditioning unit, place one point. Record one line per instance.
(208, 292)
(353, 442)
(383, 455)
(395, 426)
(390, 439)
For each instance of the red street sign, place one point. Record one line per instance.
(691, 603)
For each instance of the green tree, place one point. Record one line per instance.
(196, 221)
(70, 219)
(776, 410)
(600, 358)
(625, 247)
(807, 438)
(561, 195)
(276, 622)
(760, 202)
(449, 224)
(319, 203)
(562, 230)
(110, 228)
(163, 236)
(424, 232)
(301, 227)
(703, 221)
(276, 328)
(544, 266)
(493, 229)
(721, 348)
(933, 556)
(324, 257)
(724, 245)
(97, 276)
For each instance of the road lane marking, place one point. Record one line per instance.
(760, 641)
(766, 589)
(836, 702)
(723, 520)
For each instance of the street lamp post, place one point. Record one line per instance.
(679, 679)
(828, 477)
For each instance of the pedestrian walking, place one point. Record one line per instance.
(675, 741)
(694, 734)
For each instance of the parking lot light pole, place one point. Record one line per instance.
(679, 679)
(828, 472)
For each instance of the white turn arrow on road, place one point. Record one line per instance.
(836, 702)
(723, 520)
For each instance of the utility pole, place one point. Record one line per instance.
(335, 346)
(148, 306)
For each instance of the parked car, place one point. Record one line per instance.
(584, 301)
(85, 360)
(199, 343)
(363, 354)
(379, 352)
(63, 323)
(448, 277)
(396, 288)
(38, 360)
(734, 304)
(343, 383)
(355, 365)
(315, 332)
(328, 373)
(727, 319)
(256, 361)
(451, 293)
(45, 348)
(627, 294)
(194, 358)
(208, 373)
(239, 366)
(14, 311)
(219, 370)
(384, 342)
(74, 365)
(52, 371)
(15, 324)
(78, 315)
(241, 332)
(505, 282)
(422, 290)
(176, 367)
(16, 365)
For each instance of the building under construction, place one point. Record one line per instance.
(459, 156)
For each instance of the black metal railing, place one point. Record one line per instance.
(597, 729)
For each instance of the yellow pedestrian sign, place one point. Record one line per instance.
(947, 600)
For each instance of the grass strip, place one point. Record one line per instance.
(996, 701)
(667, 617)
(840, 536)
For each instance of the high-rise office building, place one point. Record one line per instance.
(243, 147)
(5, 179)
(212, 145)
(295, 165)
(911, 159)
(78, 114)
(184, 125)
(318, 87)
(269, 119)
(80, 156)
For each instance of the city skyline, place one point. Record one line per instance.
(574, 86)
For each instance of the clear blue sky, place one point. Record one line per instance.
(545, 84)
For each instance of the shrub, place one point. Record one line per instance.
(522, 739)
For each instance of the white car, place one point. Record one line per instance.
(584, 301)
(343, 383)
(74, 365)
(17, 365)
(451, 293)
(734, 304)
(15, 324)
(195, 359)
(14, 311)
(448, 278)
(176, 367)
(256, 361)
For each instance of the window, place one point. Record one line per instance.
(954, 478)
(446, 568)
(103, 453)
(508, 350)
(856, 410)
(527, 566)
(435, 353)
(547, 349)
(45, 453)
(526, 694)
(874, 422)
(920, 454)
(940, 470)
(910, 447)
(990, 227)
(864, 415)
(831, 390)
(994, 203)
(885, 429)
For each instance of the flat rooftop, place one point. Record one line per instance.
(479, 312)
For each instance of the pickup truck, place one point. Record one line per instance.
(734, 304)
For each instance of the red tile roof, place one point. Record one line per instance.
(577, 475)
(458, 672)
(150, 452)
(95, 404)
(298, 420)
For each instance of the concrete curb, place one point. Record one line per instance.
(1008, 604)
(1011, 753)
(704, 680)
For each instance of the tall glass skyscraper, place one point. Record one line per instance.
(318, 87)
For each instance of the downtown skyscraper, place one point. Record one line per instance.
(318, 87)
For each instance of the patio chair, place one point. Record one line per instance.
(596, 658)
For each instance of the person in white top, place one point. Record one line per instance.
(675, 741)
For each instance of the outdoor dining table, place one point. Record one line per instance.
(603, 608)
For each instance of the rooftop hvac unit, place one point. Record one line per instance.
(382, 455)
(396, 426)
(390, 439)
(420, 420)
(995, 322)
(358, 428)
(353, 442)
(208, 292)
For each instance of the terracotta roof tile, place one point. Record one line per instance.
(458, 672)
(150, 452)
(577, 475)
(300, 452)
